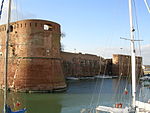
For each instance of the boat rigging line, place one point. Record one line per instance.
(1, 8)
(6, 56)
(146, 3)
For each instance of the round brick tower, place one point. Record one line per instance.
(34, 56)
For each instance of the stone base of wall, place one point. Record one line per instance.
(35, 74)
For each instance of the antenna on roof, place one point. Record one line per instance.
(146, 3)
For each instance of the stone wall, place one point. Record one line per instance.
(108, 67)
(34, 56)
(122, 65)
(80, 65)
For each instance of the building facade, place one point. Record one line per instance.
(146, 69)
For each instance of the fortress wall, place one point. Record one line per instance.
(122, 65)
(37, 64)
(108, 67)
(34, 56)
(79, 65)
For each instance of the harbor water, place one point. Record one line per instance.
(80, 94)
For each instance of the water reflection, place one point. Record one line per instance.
(35, 103)
(80, 94)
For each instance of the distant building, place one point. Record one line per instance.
(146, 69)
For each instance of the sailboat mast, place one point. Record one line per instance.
(133, 61)
(6, 54)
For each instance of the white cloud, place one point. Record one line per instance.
(146, 54)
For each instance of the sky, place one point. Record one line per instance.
(90, 26)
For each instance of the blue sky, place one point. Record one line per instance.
(91, 26)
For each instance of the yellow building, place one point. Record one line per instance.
(146, 69)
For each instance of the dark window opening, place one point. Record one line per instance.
(21, 25)
(35, 24)
(1, 54)
(11, 28)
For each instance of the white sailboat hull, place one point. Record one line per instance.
(111, 109)
(143, 107)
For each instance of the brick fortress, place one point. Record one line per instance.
(36, 62)
(34, 56)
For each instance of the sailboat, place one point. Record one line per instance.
(137, 106)
(7, 108)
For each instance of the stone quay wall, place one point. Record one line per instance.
(34, 56)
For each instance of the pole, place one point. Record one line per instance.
(133, 61)
(6, 54)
